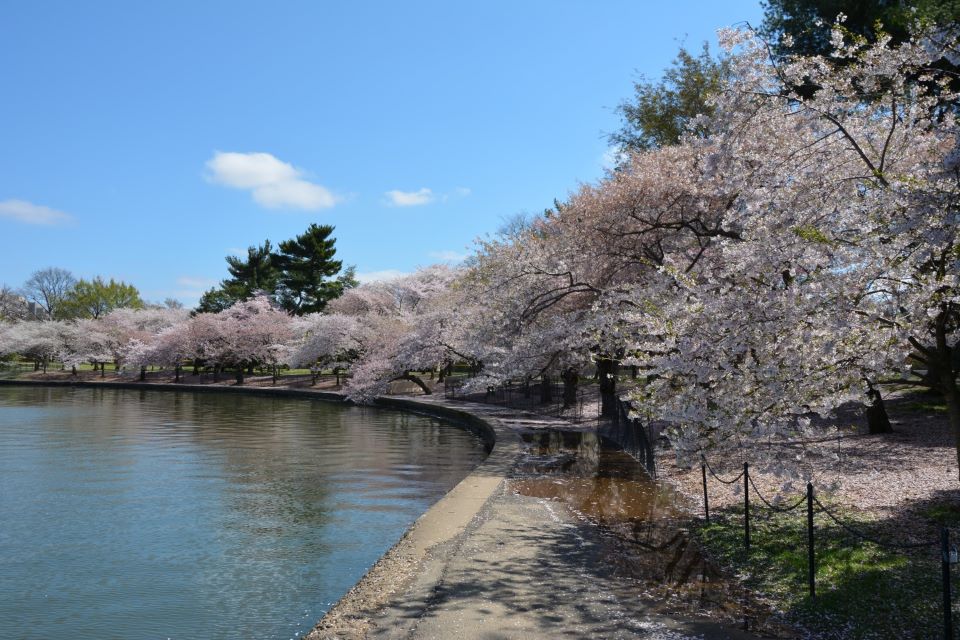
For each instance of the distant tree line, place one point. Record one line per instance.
(301, 277)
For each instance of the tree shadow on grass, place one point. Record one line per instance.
(863, 589)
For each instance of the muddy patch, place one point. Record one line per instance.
(642, 526)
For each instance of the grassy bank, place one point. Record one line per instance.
(863, 590)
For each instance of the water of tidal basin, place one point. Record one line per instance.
(139, 514)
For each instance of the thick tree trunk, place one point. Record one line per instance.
(546, 390)
(607, 372)
(952, 398)
(73, 369)
(103, 369)
(239, 375)
(216, 373)
(941, 361)
(143, 374)
(36, 365)
(877, 419)
(417, 381)
(44, 365)
(570, 380)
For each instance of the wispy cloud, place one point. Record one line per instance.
(398, 198)
(188, 289)
(29, 213)
(448, 256)
(273, 183)
(378, 276)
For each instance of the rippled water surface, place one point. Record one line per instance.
(147, 514)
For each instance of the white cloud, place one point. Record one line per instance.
(397, 198)
(274, 184)
(23, 211)
(409, 198)
(377, 276)
(448, 256)
(295, 193)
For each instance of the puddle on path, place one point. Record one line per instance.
(642, 527)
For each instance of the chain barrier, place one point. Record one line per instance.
(948, 553)
(849, 529)
(863, 536)
(714, 474)
(773, 507)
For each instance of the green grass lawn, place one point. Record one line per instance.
(863, 590)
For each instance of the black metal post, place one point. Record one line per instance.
(706, 501)
(811, 558)
(945, 571)
(746, 505)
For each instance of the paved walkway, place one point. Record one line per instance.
(487, 563)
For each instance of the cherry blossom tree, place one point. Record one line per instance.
(40, 342)
(842, 259)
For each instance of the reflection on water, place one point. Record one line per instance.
(178, 515)
(641, 521)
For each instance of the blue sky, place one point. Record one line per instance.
(146, 141)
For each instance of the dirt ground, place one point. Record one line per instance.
(897, 479)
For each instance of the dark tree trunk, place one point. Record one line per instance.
(607, 373)
(239, 375)
(940, 363)
(570, 380)
(216, 373)
(143, 374)
(546, 390)
(952, 397)
(176, 372)
(44, 365)
(73, 369)
(877, 419)
(36, 365)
